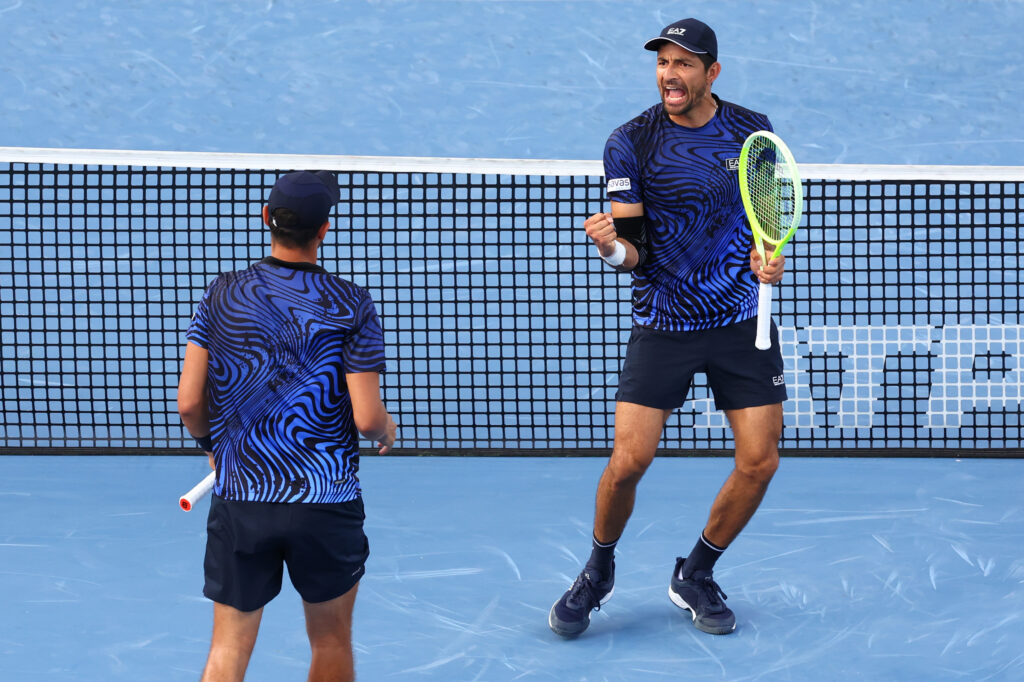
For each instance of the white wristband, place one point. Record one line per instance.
(617, 257)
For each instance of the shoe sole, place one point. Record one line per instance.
(568, 630)
(710, 629)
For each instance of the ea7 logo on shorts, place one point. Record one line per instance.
(618, 185)
(732, 164)
(779, 380)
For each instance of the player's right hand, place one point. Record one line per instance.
(601, 230)
(770, 272)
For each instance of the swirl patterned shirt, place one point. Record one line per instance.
(697, 274)
(281, 338)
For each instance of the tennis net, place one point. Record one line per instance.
(899, 316)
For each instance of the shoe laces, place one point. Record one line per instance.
(583, 585)
(712, 589)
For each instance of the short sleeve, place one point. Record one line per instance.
(621, 170)
(364, 349)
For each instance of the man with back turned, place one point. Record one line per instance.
(280, 378)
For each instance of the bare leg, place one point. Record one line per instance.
(756, 431)
(234, 635)
(637, 434)
(329, 626)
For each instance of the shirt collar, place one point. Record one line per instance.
(301, 265)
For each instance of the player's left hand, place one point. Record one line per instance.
(212, 464)
(770, 272)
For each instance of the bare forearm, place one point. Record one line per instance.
(385, 435)
(376, 427)
(197, 421)
(368, 412)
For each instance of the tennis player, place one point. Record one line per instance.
(677, 224)
(281, 376)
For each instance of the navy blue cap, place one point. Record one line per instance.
(310, 196)
(689, 34)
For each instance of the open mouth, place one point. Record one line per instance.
(675, 95)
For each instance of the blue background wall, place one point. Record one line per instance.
(937, 82)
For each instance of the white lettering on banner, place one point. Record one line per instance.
(863, 367)
(971, 367)
(979, 366)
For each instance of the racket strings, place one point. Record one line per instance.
(772, 190)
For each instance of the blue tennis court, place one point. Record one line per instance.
(852, 569)
(873, 568)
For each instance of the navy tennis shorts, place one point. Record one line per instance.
(660, 365)
(247, 544)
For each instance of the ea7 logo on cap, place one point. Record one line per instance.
(619, 185)
(675, 31)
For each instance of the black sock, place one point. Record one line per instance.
(703, 556)
(601, 558)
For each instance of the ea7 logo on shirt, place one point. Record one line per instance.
(732, 164)
(619, 185)
(779, 380)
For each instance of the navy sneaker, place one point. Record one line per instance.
(570, 615)
(703, 598)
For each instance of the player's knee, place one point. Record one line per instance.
(759, 466)
(332, 646)
(626, 471)
(329, 634)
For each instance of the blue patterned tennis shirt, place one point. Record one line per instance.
(697, 274)
(281, 337)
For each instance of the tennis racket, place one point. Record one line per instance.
(773, 199)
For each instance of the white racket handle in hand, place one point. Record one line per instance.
(763, 341)
(201, 490)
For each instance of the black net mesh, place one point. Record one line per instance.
(899, 315)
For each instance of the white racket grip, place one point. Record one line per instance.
(201, 490)
(764, 317)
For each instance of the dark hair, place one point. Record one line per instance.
(284, 225)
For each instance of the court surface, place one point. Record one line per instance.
(853, 569)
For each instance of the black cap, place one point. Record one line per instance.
(310, 196)
(689, 34)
